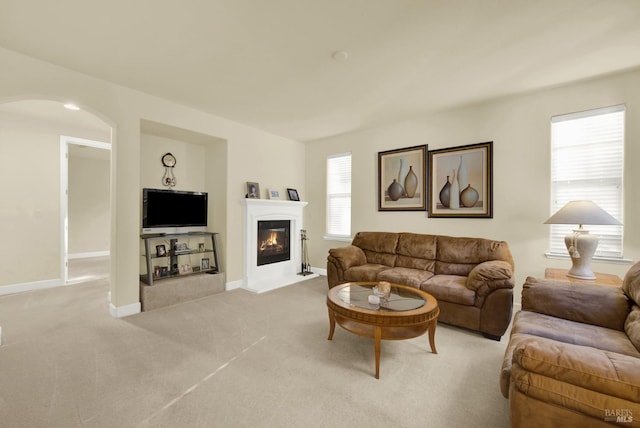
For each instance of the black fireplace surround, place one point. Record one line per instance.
(273, 241)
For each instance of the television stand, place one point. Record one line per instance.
(172, 266)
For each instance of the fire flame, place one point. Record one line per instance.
(272, 241)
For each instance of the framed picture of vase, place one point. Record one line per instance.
(461, 181)
(402, 179)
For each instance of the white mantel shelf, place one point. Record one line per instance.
(268, 277)
(274, 202)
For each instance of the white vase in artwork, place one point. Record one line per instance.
(454, 193)
(463, 181)
(402, 174)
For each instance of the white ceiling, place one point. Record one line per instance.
(269, 63)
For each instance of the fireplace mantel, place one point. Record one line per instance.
(268, 277)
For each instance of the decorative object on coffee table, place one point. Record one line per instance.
(402, 175)
(461, 181)
(580, 244)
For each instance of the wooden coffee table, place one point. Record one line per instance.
(408, 313)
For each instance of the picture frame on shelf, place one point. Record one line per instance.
(273, 194)
(293, 195)
(161, 250)
(253, 190)
(201, 247)
(164, 271)
(465, 171)
(204, 264)
(402, 179)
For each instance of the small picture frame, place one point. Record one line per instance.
(204, 264)
(201, 247)
(273, 194)
(156, 272)
(185, 268)
(293, 195)
(253, 190)
(180, 247)
(164, 271)
(161, 250)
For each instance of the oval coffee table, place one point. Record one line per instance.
(408, 313)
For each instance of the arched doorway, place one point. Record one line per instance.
(31, 134)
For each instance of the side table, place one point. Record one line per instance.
(601, 278)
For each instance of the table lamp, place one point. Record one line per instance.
(580, 244)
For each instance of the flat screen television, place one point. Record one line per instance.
(173, 211)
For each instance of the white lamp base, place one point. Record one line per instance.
(581, 246)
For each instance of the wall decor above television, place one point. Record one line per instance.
(173, 211)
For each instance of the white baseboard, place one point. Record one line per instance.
(232, 285)
(88, 255)
(124, 311)
(319, 271)
(30, 286)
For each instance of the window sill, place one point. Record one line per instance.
(340, 238)
(617, 260)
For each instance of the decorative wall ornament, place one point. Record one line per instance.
(402, 179)
(169, 161)
(461, 182)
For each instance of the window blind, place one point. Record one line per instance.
(339, 195)
(587, 163)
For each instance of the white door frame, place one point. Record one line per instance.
(65, 141)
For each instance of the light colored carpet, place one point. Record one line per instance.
(234, 359)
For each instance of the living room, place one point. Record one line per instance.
(517, 123)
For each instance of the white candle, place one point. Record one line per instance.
(374, 300)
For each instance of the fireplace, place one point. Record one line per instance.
(272, 258)
(273, 241)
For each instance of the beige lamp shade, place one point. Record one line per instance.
(580, 244)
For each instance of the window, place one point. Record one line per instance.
(586, 163)
(339, 196)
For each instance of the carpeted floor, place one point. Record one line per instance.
(235, 359)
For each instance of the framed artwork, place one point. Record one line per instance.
(461, 183)
(293, 195)
(204, 264)
(273, 194)
(253, 190)
(161, 250)
(402, 179)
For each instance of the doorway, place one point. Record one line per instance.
(85, 208)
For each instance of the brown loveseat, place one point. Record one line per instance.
(472, 278)
(573, 356)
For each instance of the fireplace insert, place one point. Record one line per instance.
(273, 241)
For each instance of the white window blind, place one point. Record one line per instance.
(339, 195)
(586, 164)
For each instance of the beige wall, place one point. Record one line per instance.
(89, 213)
(251, 155)
(520, 130)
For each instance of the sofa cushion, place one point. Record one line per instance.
(368, 272)
(580, 302)
(405, 276)
(416, 251)
(631, 283)
(562, 330)
(458, 256)
(378, 247)
(580, 378)
(632, 326)
(450, 288)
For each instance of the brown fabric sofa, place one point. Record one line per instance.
(472, 278)
(573, 357)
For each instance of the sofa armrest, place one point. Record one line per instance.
(491, 275)
(347, 257)
(593, 369)
(595, 304)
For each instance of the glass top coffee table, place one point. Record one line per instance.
(405, 314)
